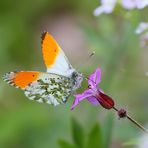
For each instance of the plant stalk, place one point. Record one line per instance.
(134, 121)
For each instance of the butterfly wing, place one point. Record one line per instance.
(42, 87)
(54, 58)
(53, 87)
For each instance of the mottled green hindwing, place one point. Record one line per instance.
(50, 88)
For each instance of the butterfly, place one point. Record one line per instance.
(53, 86)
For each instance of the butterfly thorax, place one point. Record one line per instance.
(76, 79)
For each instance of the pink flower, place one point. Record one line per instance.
(94, 94)
(107, 6)
(143, 26)
(131, 4)
(142, 4)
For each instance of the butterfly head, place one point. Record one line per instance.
(77, 79)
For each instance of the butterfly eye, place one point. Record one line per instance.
(74, 75)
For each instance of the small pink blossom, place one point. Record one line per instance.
(142, 4)
(131, 4)
(107, 6)
(143, 26)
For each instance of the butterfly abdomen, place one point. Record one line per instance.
(77, 79)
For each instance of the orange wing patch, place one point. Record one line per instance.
(21, 79)
(50, 49)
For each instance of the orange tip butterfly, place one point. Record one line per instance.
(54, 86)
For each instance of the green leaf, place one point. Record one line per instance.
(78, 134)
(64, 144)
(132, 142)
(95, 137)
(107, 130)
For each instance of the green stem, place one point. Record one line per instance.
(134, 121)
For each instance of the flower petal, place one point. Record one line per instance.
(95, 78)
(129, 4)
(98, 11)
(142, 3)
(79, 97)
(143, 26)
(107, 6)
(93, 101)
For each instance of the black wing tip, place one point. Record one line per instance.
(8, 77)
(43, 34)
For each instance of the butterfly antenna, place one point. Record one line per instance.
(86, 60)
(86, 77)
(92, 54)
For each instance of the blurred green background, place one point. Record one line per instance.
(28, 124)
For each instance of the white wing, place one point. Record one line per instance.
(42, 87)
(49, 88)
(54, 58)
